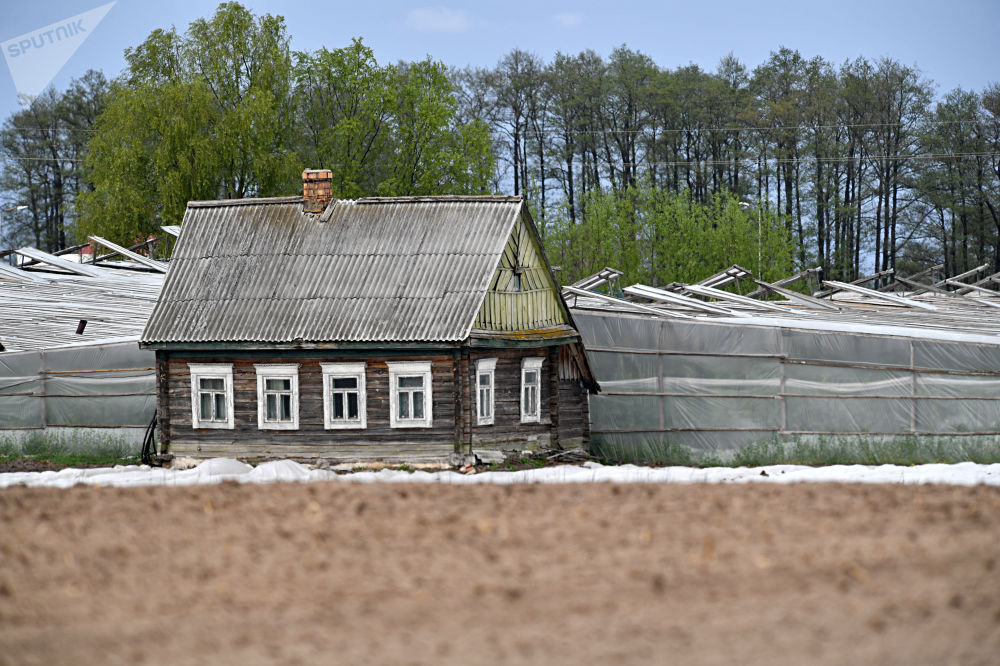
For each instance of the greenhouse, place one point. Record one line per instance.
(70, 362)
(712, 370)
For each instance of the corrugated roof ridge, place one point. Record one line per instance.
(436, 198)
(439, 198)
(220, 203)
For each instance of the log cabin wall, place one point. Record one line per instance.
(574, 415)
(507, 431)
(311, 440)
(573, 403)
(564, 421)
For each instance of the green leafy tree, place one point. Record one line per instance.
(387, 129)
(203, 115)
(657, 237)
(346, 109)
(430, 153)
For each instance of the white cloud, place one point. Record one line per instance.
(437, 19)
(568, 19)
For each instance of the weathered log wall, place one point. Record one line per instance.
(564, 420)
(311, 440)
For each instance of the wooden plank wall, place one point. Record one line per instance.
(574, 415)
(311, 440)
(563, 421)
(564, 411)
(520, 310)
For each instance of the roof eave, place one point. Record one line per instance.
(307, 346)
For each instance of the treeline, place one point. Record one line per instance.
(41, 150)
(857, 160)
(854, 167)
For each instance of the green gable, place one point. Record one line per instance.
(522, 294)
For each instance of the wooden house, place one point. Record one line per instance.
(397, 329)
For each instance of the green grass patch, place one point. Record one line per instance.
(814, 451)
(519, 464)
(70, 450)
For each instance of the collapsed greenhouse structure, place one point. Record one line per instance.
(70, 362)
(708, 368)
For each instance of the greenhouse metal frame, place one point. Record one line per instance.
(714, 370)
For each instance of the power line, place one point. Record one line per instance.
(769, 160)
(50, 129)
(747, 128)
(741, 128)
(42, 159)
(805, 159)
(810, 159)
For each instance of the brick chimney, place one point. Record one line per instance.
(317, 189)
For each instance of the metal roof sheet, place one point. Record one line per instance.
(44, 311)
(954, 318)
(408, 269)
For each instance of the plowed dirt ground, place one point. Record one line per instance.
(584, 574)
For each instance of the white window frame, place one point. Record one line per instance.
(399, 369)
(333, 371)
(485, 366)
(267, 371)
(533, 363)
(201, 371)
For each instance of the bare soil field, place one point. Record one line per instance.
(580, 574)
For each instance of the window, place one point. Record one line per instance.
(410, 394)
(531, 384)
(485, 371)
(277, 397)
(211, 395)
(344, 396)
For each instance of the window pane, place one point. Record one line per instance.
(338, 405)
(286, 407)
(411, 382)
(205, 413)
(530, 377)
(485, 403)
(484, 379)
(418, 404)
(352, 406)
(404, 405)
(213, 383)
(220, 407)
(345, 382)
(278, 384)
(271, 407)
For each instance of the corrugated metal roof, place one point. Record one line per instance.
(411, 269)
(41, 310)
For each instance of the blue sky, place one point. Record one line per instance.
(954, 44)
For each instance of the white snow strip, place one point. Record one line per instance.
(218, 470)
